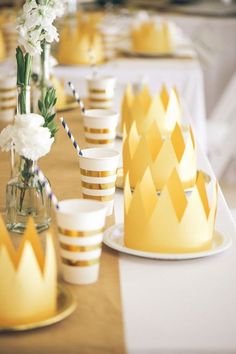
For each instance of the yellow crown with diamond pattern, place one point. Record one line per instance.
(76, 42)
(164, 108)
(28, 278)
(171, 222)
(160, 155)
(152, 37)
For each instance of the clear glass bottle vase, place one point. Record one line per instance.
(26, 196)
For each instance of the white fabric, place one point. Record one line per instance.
(186, 75)
(181, 306)
(221, 129)
(214, 39)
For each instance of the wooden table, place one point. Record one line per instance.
(96, 326)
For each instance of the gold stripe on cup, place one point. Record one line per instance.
(88, 173)
(97, 91)
(3, 108)
(75, 248)
(101, 186)
(91, 99)
(6, 99)
(76, 233)
(96, 131)
(100, 198)
(87, 263)
(99, 141)
(3, 90)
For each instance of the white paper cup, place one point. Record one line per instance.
(101, 91)
(98, 169)
(80, 227)
(100, 127)
(7, 98)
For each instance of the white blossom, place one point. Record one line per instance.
(36, 23)
(29, 137)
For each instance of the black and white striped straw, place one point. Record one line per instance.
(92, 61)
(48, 189)
(77, 97)
(70, 135)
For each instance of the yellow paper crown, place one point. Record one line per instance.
(170, 222)
(151, 37)
(160, 155)
(27, 278)
(164, 108)
(75, 43)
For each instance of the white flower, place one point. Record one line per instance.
(6, 138)
(28, 136)
(36, 23)
(51, 34)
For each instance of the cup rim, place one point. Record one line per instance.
(100, 77)
(114, 153)
(93, 206)
(97, 113)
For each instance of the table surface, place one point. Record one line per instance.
(97, 325)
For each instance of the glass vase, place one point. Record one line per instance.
(26, 196)
(23, 107)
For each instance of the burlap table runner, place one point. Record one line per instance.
(96, 326)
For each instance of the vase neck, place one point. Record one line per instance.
(23, 100)
(26, 164)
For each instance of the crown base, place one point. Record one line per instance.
(167, 248)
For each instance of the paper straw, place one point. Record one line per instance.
(77, 97)
(92, 61)
(48, 189)
(70, 135)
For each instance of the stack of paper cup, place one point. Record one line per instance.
(100, 127)
(10, 35)
(110, 41)
(98, 168)
(7, 98)
(80, 227)
(101, 91)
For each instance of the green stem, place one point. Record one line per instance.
(43, 83)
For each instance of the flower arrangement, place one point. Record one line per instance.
(31, 135)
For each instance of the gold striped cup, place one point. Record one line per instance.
(101, 91)
(7, 98)
(100, 127)
(98, 170)
(80, 225)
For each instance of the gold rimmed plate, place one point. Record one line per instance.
(66, 304)
(114, 238)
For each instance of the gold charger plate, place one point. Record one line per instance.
(66, 304)
(70, 104)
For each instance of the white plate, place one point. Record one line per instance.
(114, 238)
(179, 53)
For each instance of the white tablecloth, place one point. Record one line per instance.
(181, 306)
(186, 75)
(215, 38)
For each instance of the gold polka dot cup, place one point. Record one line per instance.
(100, 127)
(101, 90)
(98, 169)
(80, 228)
